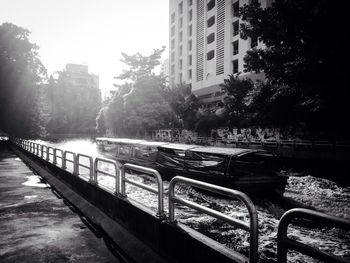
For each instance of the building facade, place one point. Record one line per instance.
(79, 76)
(205, 45)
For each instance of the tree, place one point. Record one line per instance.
(237, 100)
(299, 56)
(145, 107)
(184, 105)
(21, 75)
(139, 65)
(138, 104)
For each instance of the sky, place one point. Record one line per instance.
(91, 32)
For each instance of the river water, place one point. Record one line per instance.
(317, 193)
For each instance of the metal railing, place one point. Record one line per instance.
(252, 227)
(65, 160)
(43, 151)
(284, 243)
(55, 156)
(159, 192)
(49, 153)
(116, 175)
(90, 167)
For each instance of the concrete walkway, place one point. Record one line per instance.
(37, 226)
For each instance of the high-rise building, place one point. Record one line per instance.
(79, 76)
(205, 45)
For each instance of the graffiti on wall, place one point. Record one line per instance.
(226, 135)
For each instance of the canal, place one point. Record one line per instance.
(304, 190)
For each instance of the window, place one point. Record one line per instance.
(180, 77)
(235, 66)
(180, 22)
(172, 81)
(190, 60)
(210, 55)
(180, 64)
(172, 17)
(235, 47)
(180, 36)
(235, 9)
(180, 50)
(172, 31)
(190, 15)
(172, 71)
(172, 43)
(210, 5)
(172, 56)
(189, 45)
(180, 8)
(210, 38)
(211, 21)
(189, 2)
(253, 42)
(190, 73)
(190, 30)
(235, 26)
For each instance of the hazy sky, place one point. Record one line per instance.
(92, 32)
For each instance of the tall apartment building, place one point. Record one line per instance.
(79, 76)
(205, 45)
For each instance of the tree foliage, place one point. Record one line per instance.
(302, 58)
(140, 65)
(237, 100)
(21, 74)
(138, 104)
(73, 108)
(184, 105)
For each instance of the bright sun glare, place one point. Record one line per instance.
(90, 32)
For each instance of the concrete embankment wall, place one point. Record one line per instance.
(140, 235)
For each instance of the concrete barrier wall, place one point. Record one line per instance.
(173, 242)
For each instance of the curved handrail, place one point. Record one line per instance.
(159, 192)
(252, 227)
(284, 243)
(90, 167)
(117, 166)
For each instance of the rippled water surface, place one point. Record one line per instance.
(320, 194)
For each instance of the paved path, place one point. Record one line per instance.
(36, 226)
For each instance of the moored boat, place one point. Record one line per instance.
(248, 170)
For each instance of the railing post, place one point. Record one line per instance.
(91, 180)
(122, 182)
(94, 176)
(64, 165)
(76, 166)
(252, 228)
(159, 191)
(42, 151)
(117, 180)
(284, 243)
(54, 156)
(37, 149)
(48, 153)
